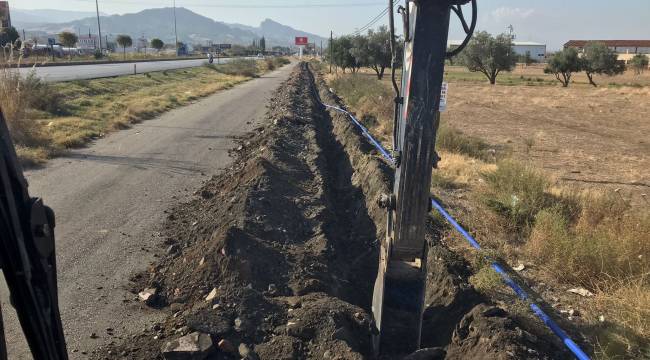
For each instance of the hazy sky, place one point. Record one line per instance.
(550, 21)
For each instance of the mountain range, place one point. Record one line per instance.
(20, 16)
(192, 28)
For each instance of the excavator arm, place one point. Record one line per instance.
(398, 299)
(27, 258)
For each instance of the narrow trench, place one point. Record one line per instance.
(355, 231)
(351, 231)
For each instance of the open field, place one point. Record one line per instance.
(554, 179)
(580, 135)
(533, 75)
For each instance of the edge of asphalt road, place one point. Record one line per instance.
(113, 69)
(105, 62)
(111, 200)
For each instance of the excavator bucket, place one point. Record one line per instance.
(398, 305)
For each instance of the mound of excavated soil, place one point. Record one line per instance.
(276, 258)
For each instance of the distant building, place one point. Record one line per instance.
(536, 51)
(88, 42)
(620, 46)
(141, 43)
(5, 16)
(626, 49)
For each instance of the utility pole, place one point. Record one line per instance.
(331, 49)
(175, 28)
(99, 26)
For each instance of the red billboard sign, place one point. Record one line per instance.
(302, 40)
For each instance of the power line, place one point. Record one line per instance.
(374, 20)
(371, 23)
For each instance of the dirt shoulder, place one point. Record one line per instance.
(276, 258)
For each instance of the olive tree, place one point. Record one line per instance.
(639, 63)
(489, 55)
(563, 64)
(124, 41)
(341, 56)
(379, 54)
(360, 52)
(69, 40)
(157, 44)
(598, 58)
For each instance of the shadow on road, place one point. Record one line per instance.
(142, 163)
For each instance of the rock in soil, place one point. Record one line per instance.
(195, 346)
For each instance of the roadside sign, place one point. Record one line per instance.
(302, 40)
(225, 46)
(443, 96)
(51, 41)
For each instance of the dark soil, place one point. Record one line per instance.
(288, 237)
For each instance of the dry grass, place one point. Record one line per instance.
(17, 97)
(95, 107)
(372, 101)
(463, 169)
(607, 241)
(625, 309)
(588, 137)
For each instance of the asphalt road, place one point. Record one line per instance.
(110, 201)
(79, 72)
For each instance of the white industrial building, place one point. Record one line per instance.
(626, 49)
(536, 51)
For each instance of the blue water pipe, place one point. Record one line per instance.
(519, 291)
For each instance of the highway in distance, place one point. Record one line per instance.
(81, 72)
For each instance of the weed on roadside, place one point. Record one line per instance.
(455, 141)
(18, 97)
(237, 67)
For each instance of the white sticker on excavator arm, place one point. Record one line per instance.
(443, 96)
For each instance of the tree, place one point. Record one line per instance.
(68, 40)
(124, 41)
(8, 36)
(157, 44)
(359, 51)
(341, 53)
(489, 55)
(379, 53)
(639, 63)
(563, 64)
(598, 58)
